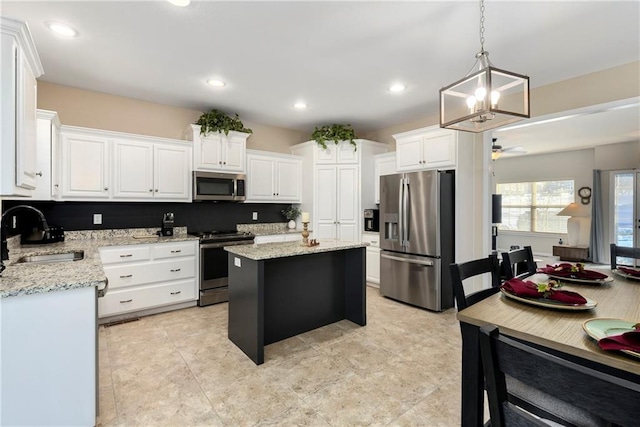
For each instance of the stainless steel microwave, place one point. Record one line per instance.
(218, 186)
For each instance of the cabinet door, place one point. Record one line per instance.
(440, 149)
(383, 166)
(327, 155)
(132, 170)
(347, 216)
(289, 180)
(409, 153)
(260, 178)
(171, 172)
(326, 203)
(373, 265)
(45, 133)
(26, 157)
(210, 152)
(347, 153)
(85, 166)
(234, 152)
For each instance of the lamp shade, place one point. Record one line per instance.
(496, 208)
(572, 209)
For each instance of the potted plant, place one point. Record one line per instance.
(291, 213)
(218, 121)
(335, 133)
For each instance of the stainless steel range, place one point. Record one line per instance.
(214, 270)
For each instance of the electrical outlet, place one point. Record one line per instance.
(237, 262)
(97, 218)
(255, 216)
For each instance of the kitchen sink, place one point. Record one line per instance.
(66, 256)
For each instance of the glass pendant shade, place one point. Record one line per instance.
(486, 99)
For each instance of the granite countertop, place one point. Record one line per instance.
(268, 229)
(32, 278)
(287, 249)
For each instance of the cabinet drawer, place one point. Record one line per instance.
(125, 254)
(133, 274)
(171, 250)
(127, 300)
(371, 239)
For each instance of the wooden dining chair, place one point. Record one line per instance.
(588, 397)
(514, 261)
(465, 270)
(623, 252)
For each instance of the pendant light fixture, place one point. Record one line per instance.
(486, 98)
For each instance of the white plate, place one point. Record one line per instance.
(586, 281)
(556, 305)
(625, 275)
(604, 327)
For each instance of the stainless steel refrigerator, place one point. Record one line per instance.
(417, 238)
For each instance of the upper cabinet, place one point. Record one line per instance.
(426, 148)
(48, 183)
(217, 152)
(273, 177)
(99, 165)
(384, 164)
(19, 67)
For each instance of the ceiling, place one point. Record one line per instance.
(338, 57)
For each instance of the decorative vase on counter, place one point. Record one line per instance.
(291, 224)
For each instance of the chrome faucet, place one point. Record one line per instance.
(4, 250)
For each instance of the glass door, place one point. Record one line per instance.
(625, 193)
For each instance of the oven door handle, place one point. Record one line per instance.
(223, 244)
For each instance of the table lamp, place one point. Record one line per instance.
(577, 224)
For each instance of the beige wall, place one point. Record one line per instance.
(591, 89)
(79, 107)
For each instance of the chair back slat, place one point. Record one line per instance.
(623, 252)
(610, 398)
(510, 261)
(465, 270)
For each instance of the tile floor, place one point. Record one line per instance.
(179, 369)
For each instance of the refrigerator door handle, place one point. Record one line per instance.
(405, 212)
(401, 213)
(427, 263)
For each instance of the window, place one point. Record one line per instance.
(532, 206)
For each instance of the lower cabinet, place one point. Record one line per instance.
(142, 277)
(372, 257)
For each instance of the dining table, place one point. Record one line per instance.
(551, 327)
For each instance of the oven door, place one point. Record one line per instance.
(214, 271)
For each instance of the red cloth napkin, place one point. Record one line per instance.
(627, 341)
(564, 270)
(629, 271)
(529, 289)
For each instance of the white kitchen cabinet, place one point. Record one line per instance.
(148, 276)
(19, 67)
(372, 257)
(217, 152)
(337, 212)
(47, 180)
(426, 148)
(384, 164)
(144, 170)
(106, 165)
(335, 194)
(273, 177)
(84, 166)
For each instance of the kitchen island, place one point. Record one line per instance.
(279, 290)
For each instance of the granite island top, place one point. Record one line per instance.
(32, 278)
(286, 249)
(269, 229)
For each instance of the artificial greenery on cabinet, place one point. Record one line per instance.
(335, 133)
(218, 121)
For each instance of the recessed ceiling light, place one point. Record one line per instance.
(300, 105)
(216, 83)
(398, 87)
(62, 29)
(180, 3)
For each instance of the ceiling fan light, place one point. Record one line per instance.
(495, 154)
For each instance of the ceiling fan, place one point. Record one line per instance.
(497, 150)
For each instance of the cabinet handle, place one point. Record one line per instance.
(220, 162)
(125, 301)
(151, 190)
(156, 190)
(106, 188)
(175, 293)
(176, 252)
(39, 173)
(224, 163)
(126, 276)
(126, 256)
(175, 270)
(373, 242)
(56, 185)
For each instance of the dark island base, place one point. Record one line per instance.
(274, 299)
